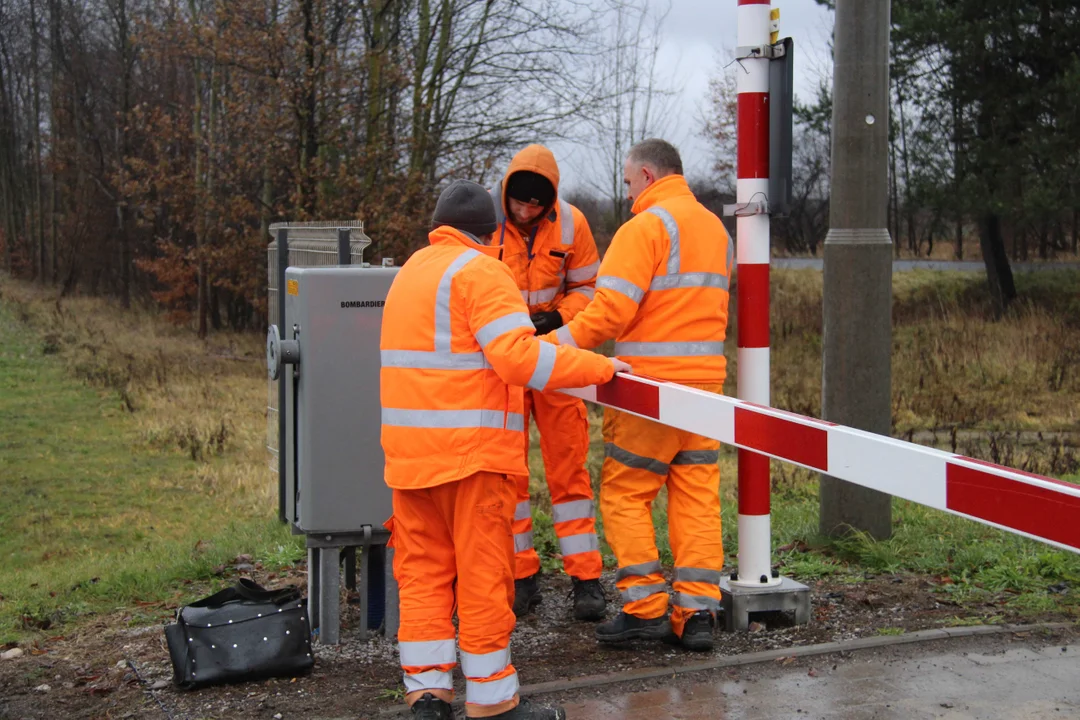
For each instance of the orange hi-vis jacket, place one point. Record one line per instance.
(662, 291)
(457, 346)
(555, 265)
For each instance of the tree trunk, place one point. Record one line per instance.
(958, 239)
(54, 74)
(1076, 231)
(998, 271)
(958, 171)
(122, 34)
(35, 135)
(909, 206)
(200, 187)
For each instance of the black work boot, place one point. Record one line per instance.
(527, 711)
(590, 602)
(526, 595)
(697, 632)
(627, 627)
(429, 707)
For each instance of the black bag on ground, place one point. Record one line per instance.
(241, 633)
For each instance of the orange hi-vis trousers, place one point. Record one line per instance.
(453, 548)
(563, 423)
(641, 456)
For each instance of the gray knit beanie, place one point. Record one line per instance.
(466, 206)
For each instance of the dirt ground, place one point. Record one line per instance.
(109, 670)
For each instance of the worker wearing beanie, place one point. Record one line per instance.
(457, 346)
(549, 247)
(662, 293)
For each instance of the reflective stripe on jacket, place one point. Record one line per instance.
(457, 346)
(555, 266)
(662, 289)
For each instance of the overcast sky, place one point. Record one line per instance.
(698, 38)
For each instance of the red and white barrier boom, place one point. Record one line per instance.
(1023, 503)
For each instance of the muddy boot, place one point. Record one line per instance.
(526, 595)
(627, 627)
(697, 632)
(429, 707)
(590, 603)
(527, 711)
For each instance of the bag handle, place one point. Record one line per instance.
(251, 591)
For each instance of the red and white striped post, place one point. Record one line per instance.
(752, 231)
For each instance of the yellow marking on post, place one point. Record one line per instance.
(292, 287)
(774, 25)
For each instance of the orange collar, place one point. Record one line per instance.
(446, 235)
(663, 189)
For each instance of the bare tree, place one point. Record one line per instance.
(638, 100)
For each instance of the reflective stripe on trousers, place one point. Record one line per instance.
(429, 680)
(639, 570)
(573, 510)
(702, 575)
(484, 665)
(640, 592)
(491, 692)
(631, 460)
(574, 544)
(523, 541)
(522, 511)
(696, 602)
(426, 653)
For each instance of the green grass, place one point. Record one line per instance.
(93, 520)
(132, 458)
(970, 562)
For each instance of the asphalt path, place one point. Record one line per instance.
(934, 265)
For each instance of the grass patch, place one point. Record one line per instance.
(133, 461)
(889, 631)
(102, 506)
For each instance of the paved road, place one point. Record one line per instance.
(909, 265)
(999, 680)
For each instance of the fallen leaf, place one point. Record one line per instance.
(812, 673)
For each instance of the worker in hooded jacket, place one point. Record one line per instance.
(662, 293)
(457, 347)
(547, 244)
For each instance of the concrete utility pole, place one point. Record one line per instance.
(858, 258)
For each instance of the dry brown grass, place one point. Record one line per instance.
(206, 399)
(981, 385)
(960, 378)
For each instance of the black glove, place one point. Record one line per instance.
(545, 322)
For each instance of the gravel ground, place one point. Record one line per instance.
(107, 670)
